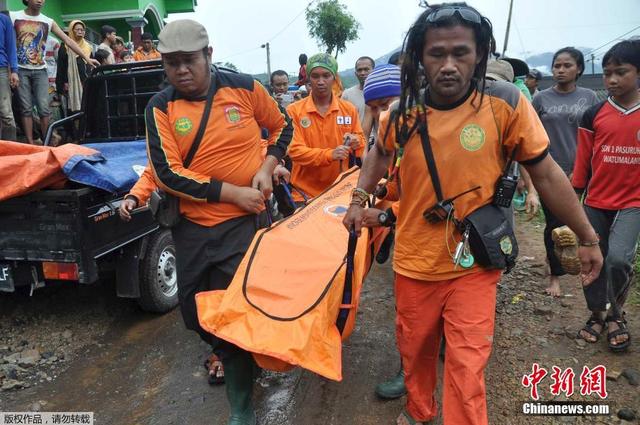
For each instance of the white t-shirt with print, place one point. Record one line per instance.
(32, 33)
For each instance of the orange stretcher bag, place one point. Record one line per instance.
(294, 297)
(28, 168)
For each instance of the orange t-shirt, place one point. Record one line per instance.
(146, 184)
(314, 139)
(470, 146)
(231, 150)
(140, 55)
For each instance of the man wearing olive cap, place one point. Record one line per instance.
(326, 133)
(224, 187)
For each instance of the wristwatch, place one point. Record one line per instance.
(382, 218)
(387, 218)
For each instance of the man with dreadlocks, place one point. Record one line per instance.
(471, 127)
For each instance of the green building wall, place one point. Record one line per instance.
(112, 12)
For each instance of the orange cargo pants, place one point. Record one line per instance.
(464, 309)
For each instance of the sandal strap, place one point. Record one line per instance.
(594, 320)
(617, 332)
(621, 321)
(591, 331)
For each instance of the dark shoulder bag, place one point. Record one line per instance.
(491, 237)
(164, 206)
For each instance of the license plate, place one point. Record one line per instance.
(6, 280)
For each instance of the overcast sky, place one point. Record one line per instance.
(237, 28)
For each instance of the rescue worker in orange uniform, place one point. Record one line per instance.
(224, 188)
(326, 131)
(146, 52)
(470, 124)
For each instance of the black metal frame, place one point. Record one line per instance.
(60, 123)
(130, 86)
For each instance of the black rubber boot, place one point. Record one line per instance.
(238, 374)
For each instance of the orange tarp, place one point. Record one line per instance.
(285, 297)
(27, 168)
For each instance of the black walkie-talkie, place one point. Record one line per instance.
(506, 184)
(505, 189)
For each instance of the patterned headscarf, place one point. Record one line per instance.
(80, 41)
(323, 60)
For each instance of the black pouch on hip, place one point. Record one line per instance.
(491, 238)
(165, 208)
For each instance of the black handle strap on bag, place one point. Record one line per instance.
(347, 291)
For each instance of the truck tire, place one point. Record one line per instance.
(158, 275)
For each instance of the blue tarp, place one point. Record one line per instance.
(116, 168)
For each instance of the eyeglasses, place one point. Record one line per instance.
(463, 12)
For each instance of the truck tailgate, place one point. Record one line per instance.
(67, 226)
(41, 226)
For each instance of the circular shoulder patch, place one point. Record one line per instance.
(305, 122)
(183, 126)
(472, 137)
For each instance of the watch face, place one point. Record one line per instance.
(382, 217)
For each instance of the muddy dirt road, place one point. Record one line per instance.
(99, 353)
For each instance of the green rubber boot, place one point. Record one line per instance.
(238, 375)
(393, 388)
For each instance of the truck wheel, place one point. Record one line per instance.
(158, 275)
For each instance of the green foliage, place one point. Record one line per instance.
(228, 65)
(331, 24)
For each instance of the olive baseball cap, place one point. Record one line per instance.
(500, 70)
(183, 35)
(322, 60)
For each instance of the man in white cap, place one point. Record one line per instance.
(223, 189)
